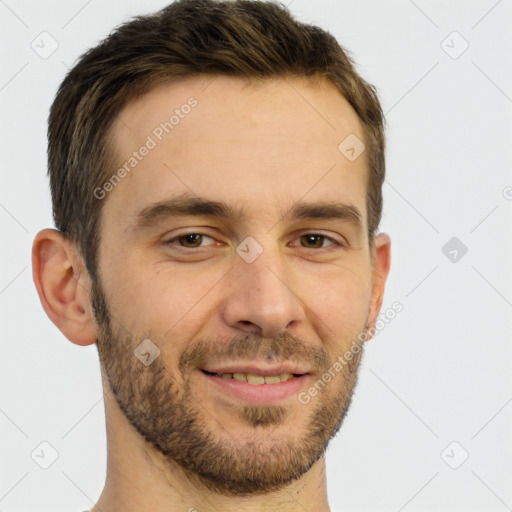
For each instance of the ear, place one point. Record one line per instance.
(63, 285)
(381, 262)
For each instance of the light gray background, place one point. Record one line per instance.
(439, 372)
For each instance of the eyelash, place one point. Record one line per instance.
(335, 244)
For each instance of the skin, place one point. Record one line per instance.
(261, 146)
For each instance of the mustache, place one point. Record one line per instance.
(285, 347)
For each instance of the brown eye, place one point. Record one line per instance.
(190, 240)
(313, 241)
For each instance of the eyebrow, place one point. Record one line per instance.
(198, 206)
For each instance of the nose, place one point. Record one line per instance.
(260, 296)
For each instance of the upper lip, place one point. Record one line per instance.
(258, 368)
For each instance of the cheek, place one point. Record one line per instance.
(339, 306)
(161, 299)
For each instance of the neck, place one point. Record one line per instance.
(139, 477)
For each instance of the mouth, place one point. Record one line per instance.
(256, 386)
(255, 379)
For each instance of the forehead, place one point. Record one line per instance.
(262, 143)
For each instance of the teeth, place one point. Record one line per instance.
(257, 379)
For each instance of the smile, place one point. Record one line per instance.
(253, 378)
(255, 389)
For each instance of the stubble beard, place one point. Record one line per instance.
(163, 409)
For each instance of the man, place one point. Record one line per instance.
(216, 173)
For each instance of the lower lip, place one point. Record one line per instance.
(258, 394)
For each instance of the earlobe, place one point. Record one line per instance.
(381, 263)
(63, 286)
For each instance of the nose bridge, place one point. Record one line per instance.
(260, 296)
(268, 275)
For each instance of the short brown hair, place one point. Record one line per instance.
(246, 38)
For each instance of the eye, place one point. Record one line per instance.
(316, 241)
(307, 240)
(190, 240)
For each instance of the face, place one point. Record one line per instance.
(236, 246)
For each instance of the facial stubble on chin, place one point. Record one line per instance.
(161, 407)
